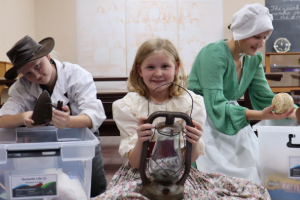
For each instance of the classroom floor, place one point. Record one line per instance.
(112, 160)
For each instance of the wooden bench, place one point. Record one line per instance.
(109, 127)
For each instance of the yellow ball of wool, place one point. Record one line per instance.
(282, 102)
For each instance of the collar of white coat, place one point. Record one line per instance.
(61, 82)
(61, 85)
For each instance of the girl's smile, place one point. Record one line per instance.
(158, 69)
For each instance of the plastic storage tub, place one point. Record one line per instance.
(46, 163)
(279, 146)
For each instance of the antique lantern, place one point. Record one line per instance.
(166, 161)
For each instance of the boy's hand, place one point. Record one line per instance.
(144, 130)
(61, 119)
(27, 119)
(193, 134)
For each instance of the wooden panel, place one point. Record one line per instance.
(97, 78)
(8, 66)
(284, 89)
(268, 65)
(4, 66)
(2, 69)
(287, 53)
(1, 89)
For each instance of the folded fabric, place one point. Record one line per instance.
(69, 189)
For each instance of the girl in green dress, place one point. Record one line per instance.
(222, 72)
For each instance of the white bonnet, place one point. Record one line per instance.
(251, 20)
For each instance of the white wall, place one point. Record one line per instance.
(57, 18)
(16, 21)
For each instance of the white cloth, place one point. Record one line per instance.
(71, 79)
(251, 20)
(233, 155)
(128, 110)
(68, 189)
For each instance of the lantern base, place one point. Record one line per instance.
(158, 191)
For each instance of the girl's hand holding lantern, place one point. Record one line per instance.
(193, 134)
(144, 130)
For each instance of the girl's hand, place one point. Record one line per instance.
(144, 130)
(27, 119)
(268, 113)
(193, 134)
(61, 119)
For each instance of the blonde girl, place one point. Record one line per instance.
(157, 62)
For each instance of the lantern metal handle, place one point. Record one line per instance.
(176, 85)
(170, 118)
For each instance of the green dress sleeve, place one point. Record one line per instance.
(206, 79)
(260, 93)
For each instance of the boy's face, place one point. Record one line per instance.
(38, 71)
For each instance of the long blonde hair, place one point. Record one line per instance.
(135, 82)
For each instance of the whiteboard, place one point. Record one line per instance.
(110, 32)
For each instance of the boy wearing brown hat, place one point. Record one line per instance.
(65, 82)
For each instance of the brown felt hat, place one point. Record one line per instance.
(26, 50)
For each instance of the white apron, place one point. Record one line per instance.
(233, 155)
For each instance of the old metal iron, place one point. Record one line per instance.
(42, 112)
(166, 162)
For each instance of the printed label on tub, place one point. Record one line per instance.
(28, 186)
(281, 187)
(294, 167)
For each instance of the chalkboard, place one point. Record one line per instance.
(286, 23)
